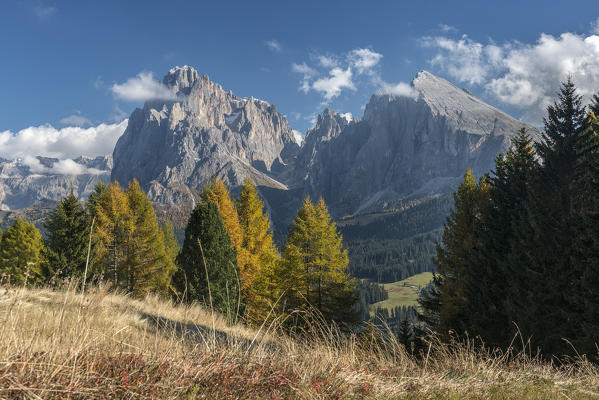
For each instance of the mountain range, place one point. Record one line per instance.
(404, 148)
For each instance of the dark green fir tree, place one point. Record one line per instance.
(208, 263)
(67, 236)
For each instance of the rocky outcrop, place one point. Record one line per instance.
(175, 147)
(403, 146)
(25, 182)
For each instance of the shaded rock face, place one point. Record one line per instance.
(22, 185)
(403, 146)
(175, 147)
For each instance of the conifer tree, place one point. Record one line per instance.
(405, 334)
(498, 266)
(547, 304)
(21, 253)
(455, 259)
(67, 236)
(314, 267)
(113, 229)
(148, 266)
(131, 247)
(208, 264)
(587, 253)
(94, 197)
(259, 273)
(218, 193)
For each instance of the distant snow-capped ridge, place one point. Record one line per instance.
(27, 180)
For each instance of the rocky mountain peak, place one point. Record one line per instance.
(461, 109)
(181, 79)
(174, 148)
(328, 125)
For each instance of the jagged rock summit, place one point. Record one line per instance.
(174, 147)
(460, 108)
(404, 146)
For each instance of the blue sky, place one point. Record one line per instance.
(61, 60)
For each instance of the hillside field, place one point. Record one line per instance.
(66, 345)
(404, 292)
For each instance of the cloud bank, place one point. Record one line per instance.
(141, 88)
(68, 142)
(526, 76)
(61, 167)
(331, 74)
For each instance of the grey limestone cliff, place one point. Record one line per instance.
(175, 147)
(403, 146)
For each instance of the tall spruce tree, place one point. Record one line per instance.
(208, 263)
(496, 269)
(218, 193)
(67, 236)
(587, 251)
(546, 301)
(314, 267)
(261, 256)
(447, 302)
(21, 253)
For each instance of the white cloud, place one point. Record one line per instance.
(307, 72)
(523, 75)
(299, 138)
(141, 88)
(363, 60)
(273, 45)
(464, 59)
(332, 85)
(75, 119)
(304, 69)
(312, 118)
(327, 61)
(595, 26)
(397, 89)
(447, 28)
(118, 114)
(348, 116)
(331, 74)
(60, 167)
(68, 142)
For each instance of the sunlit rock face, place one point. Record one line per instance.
(175, 147)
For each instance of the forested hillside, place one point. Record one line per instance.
(389, 247)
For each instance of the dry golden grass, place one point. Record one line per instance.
(105, 345)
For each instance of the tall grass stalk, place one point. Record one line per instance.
(105, 344)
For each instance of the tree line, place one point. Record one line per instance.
(520, 249)
(228, 260)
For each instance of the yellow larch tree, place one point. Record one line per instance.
(260, 268)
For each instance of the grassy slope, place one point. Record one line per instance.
(405, 292)
(102, 345)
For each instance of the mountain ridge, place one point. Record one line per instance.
(402, 147)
